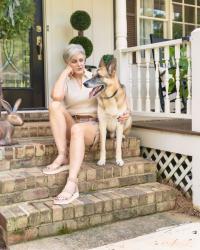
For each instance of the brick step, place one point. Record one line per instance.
(30, 220)
(40, 151)
(33, 129)
(20, 185)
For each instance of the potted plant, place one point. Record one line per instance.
(183, 70)
(80, 21)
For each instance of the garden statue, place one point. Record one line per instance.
(7, 124)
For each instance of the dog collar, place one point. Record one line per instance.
(111, 95)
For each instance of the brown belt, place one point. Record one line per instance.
(84, 118)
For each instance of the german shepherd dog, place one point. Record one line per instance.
(112, 103)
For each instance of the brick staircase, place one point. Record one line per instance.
(108, 193)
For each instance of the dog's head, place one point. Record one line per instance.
(103, 79)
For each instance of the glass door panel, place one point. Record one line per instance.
(15, 63)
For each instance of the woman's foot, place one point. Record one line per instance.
(69, 193)
(57, 166)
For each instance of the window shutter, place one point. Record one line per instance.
(131, 10)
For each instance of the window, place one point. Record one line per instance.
(185, 17)
(164, 18)
(152, 19)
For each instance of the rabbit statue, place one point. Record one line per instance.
(7, 125)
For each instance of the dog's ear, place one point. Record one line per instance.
(112, 67)
(101, 63)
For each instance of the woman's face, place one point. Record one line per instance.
(77, 63)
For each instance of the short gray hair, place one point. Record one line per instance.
(71, 50)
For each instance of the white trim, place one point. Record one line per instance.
(164, 115)
(45, 35)
(138, 22)
(168, 141)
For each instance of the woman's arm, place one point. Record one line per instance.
(58, 91)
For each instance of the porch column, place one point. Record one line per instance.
(121, 24)
(195, 56)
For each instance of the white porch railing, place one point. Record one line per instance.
(143, 78)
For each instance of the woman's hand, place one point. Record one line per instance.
(69, 71)
(122, 118)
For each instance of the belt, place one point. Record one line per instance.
(84, 118)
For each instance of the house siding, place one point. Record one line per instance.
(58, 32)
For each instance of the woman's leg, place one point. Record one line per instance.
(81, 134)
(61, 131)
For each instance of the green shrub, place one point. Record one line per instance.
(107, 58)
(80, 20)
(85, 42)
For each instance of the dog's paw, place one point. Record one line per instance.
(101, 163)
(120, 162)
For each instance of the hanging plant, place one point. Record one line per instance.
(16, 17)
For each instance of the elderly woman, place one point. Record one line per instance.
(73, 118)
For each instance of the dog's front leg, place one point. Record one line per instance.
(102, 128)
(119, 137)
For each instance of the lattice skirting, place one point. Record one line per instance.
(172, 167)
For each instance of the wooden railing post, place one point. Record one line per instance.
(123, 68)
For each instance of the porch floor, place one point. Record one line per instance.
(182, 126)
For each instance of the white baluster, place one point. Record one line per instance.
(167, 101)
(138, 61)
(130, 79)
(157, 99)
(189, 72)
(178, 100)
(147, 60)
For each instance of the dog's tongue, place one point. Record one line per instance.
(94, 91)
(91, 93)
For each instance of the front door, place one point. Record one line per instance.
(22, 66)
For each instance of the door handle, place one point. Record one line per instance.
(39, 47)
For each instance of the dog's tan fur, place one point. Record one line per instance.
(112, 103)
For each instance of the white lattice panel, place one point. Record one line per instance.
(173, 167)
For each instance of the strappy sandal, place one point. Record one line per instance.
(66, 197)
(56, 167)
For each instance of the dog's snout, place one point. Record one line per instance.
(86, 84)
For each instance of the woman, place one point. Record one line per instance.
(73, 118)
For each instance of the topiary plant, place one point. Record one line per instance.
(16, 17)
(85, 42)
(80, 20)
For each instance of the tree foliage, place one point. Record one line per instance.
(16, 17)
